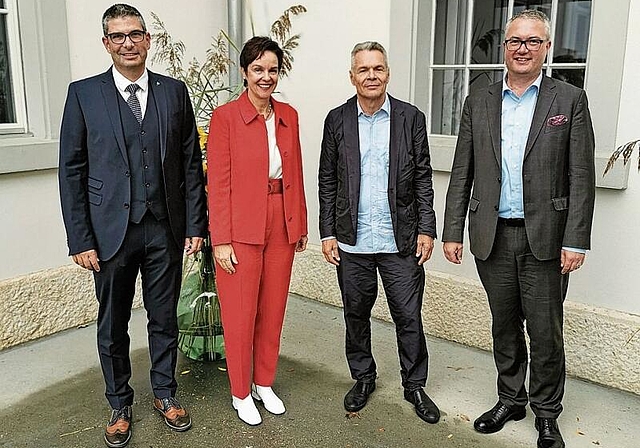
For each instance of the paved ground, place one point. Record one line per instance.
(51, 395)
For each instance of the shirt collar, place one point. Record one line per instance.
(506, 88)
(386, 106)
(122, 82)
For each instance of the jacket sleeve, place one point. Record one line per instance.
(577, 232)
(219, 178)
(460, 181)
(73, 176)
(195, 197)
(423, 181)
(328, 180)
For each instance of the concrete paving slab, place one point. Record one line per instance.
(52, 396)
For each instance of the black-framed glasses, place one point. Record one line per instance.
(532, 44)
(134, 36)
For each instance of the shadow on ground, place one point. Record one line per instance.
(73, 413)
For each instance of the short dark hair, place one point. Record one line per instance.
(120, 10)
(255, 47)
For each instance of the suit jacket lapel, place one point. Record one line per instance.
(160, 97)
(110, 96)
(352, 149)
(395, 138)
(546, 96)
(494, 110)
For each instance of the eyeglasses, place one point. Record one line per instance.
(134, 36)
(532, 44)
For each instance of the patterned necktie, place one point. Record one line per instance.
(133, 102)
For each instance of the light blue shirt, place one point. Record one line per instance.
(375, 229)
(517, 114)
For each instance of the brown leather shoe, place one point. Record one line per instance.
(175, 416)
(118, 432)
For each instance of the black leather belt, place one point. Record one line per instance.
(511, 222)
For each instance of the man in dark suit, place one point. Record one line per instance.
(376, 215)
(132, 194)
(524, 169)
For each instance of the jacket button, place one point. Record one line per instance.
(142, 132)
(126, 173)
(499, 180)
(147, 185)
(288, 186)
(286, 153)
(290, 218)
(496, 208)
(126, 205)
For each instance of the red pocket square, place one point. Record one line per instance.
(557, 120)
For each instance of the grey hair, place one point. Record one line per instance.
(368, 46)
(532, 14)
(120, 10)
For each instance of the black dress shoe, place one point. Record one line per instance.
(426, 409)
(118, 432)
(494, 419)
(548, 433)
(357, 397)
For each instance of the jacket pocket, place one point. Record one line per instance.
(473, 204)
(94, 183)
(94, 198)
(561, 203)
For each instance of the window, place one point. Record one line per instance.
(467, 52)
(11, 96)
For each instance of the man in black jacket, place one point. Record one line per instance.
(376, 215)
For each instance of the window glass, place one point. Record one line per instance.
(468, 53)
(7, 110)
(448, 96)
(540, 5)
(451, 23)
(479, 79)
(572, 31)
(489, 18)
(573, 76)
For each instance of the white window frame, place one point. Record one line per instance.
(468, 66)
(10, 12)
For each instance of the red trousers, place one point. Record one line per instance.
(253, 302)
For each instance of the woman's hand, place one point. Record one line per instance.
(301, 245)
(225, 257)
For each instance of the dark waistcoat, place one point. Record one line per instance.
(145, 161)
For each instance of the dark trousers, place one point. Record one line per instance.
(521, 288)
(403, 282)
(148, 248)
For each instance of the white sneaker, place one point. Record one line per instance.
(247, 410)
(269, 399)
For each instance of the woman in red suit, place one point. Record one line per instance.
(257, 219)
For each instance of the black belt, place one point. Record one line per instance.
(511, 222)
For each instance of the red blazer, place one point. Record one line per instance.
(238, 172)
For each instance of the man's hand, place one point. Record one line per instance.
(424, 249)
(301, 245)
(88, 260)
(453, 251)
(570, 261)
(330, 251)
(225, 257)
(192, 244)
